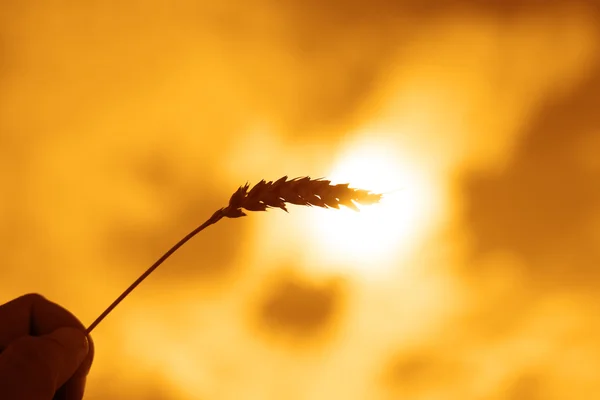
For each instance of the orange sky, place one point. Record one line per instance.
(123, 126)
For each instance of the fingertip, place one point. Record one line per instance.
(74, 389)
(73, 341)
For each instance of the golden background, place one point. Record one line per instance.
(123, 125)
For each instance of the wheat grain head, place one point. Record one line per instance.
(302, 191)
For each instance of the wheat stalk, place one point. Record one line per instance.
(302, 191)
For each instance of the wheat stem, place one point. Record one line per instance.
(215, 218)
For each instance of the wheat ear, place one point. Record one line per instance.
(302, 191)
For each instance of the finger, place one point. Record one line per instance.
(32, 314)
(74, 388)
(35, 367)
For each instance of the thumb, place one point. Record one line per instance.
(36, 367)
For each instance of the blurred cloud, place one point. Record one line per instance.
(125, 125)
(300, 308)
(541, 204)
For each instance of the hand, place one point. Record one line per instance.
(44, 352)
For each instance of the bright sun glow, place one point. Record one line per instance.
(380, 234)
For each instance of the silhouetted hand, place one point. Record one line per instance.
(44, 352)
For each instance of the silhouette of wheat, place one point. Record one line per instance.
(302, 191)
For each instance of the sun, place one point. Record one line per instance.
(380, 234)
